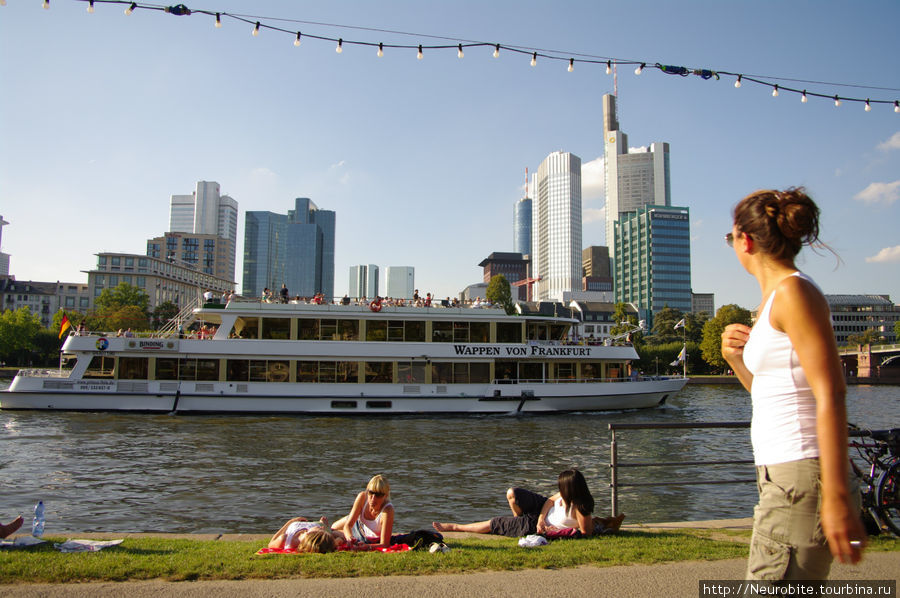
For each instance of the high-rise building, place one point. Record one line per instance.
(401, 282)
(513, 267)
(634, 179)
(211, 254)
(295, 249)
(595, 269)
(4, 257)
(556, 226)
(364, 281)
(522, 226)
(653, 259)
(207, 212)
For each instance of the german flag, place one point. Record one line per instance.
(64, 325)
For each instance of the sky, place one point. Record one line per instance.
(104, 116)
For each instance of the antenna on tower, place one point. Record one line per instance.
(616, 79)
(526, 181)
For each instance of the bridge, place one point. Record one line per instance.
(876, 364)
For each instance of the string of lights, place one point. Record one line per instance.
(259, 24)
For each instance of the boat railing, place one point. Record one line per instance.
(503, 381)
(175, 324)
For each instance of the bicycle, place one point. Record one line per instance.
(880, 481)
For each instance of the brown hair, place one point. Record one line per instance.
(574, 491)
(779, 222)
(317, 540)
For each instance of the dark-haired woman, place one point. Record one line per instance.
(788, 361)
(571, 507)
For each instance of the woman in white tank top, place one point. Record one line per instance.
(371, 519)
(789, 363)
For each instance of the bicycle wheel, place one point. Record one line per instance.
(887, 497)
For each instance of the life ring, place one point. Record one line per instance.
(375, 306)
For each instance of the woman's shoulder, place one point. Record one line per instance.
(799, 289)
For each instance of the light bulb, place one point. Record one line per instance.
(803, 97)
(868, 106)
(737, 83)
(608, 66)
(218, 21)
(419, 54)
(775, 92)
(256, 29)
(896, 105)
(2, 2)
(640, 69)
(460, 54)
(534, 59)
(131, 8)
(497, 51)
(380, 50)
(46, 5)
(340, 46)
(90, 7)
(297, 41)
(571, 64)
(837, 101)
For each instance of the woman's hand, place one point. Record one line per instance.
(843, 529)
(734, 337)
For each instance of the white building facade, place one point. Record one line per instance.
(207, 212)
(400, 282)
(364, 281)
(556, 226)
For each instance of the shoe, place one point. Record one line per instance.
(438, 547)
(10, 527)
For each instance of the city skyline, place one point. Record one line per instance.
(423, 158)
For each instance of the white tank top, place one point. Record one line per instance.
(559, 517)
(783, 427)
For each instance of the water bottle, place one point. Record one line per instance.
(37, 524)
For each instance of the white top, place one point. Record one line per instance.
(559, 517)
(783, 427)
(371, 528)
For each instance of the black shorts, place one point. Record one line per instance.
(531, 504)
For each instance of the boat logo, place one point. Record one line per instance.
(102, 343)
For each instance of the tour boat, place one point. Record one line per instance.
(365, 359)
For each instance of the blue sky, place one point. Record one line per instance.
(104, 116)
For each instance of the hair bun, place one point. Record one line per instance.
(772, 209)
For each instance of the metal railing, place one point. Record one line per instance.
(614, 463)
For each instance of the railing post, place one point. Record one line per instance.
(613, 462)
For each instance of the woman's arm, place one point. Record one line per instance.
(802, 312)
(387, 526)
(734, 337)
(350, 520)
(585, 523)
(542, 518)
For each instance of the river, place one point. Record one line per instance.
(105, 472)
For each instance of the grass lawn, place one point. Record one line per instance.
(176, 560)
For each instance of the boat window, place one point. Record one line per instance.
(308, 330)
(237, 370)
(100, 367)
(559, 331)
(348, 330)
(415, 332)
(166, 368)
(532, 371)
(376, 330)
(328, 330)
(460, 373)
(538, 331)
(327, 371)
(259, 371)
(276, 328)
(133, 368)
(565, 371)
(460, 332)
(441, 332)
(411, 372)
(187, 369)
(307, 371)
(207, 369)
(479, 332)
(379, 372)
(479, 372)
(245, 328)
(591, 371)
(509, 332)
(441, 373)
(277, 371)
(506, 371)
(395, 331)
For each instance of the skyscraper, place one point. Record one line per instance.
(653, 259)
(633, 179)
(556, 232)
(296, 249)
(522, 226)
(401, 282)
(4, 257)
(207, 212)
(364, 281)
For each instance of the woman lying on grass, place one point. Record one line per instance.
(303, 535)
(570, 508)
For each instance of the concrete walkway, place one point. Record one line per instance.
(672, 579)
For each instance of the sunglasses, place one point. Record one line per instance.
(375, 494)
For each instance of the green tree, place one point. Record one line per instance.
(693, 327)
(127, 316)
(711, 346)
(897, 329)
(663, 330)
(122, 295)
(164, 312)
(869, 337)
(498, 292)
(18, 330)
(625, 325)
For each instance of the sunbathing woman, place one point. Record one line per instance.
(371, 520)
(571, 507)
(293, 535)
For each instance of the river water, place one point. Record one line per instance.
(104, 472)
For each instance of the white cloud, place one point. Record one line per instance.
(590, 215)
(338, 165)
(262, 171)
(888, 254)
(886, 193)
(891, 144)
(593, 184)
